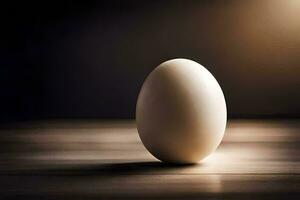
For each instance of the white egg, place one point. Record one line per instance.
(181, 112)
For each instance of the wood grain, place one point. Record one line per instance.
(257, 159)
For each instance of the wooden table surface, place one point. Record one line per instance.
(257, 159)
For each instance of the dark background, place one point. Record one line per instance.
(89, 59)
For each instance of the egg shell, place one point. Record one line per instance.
(181, 112)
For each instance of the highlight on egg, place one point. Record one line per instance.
(181, 112)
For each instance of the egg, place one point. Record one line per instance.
(181, 112)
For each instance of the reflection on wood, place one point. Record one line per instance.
(91, 159)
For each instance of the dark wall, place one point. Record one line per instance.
(89, 59)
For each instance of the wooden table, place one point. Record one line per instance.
(258, 159)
